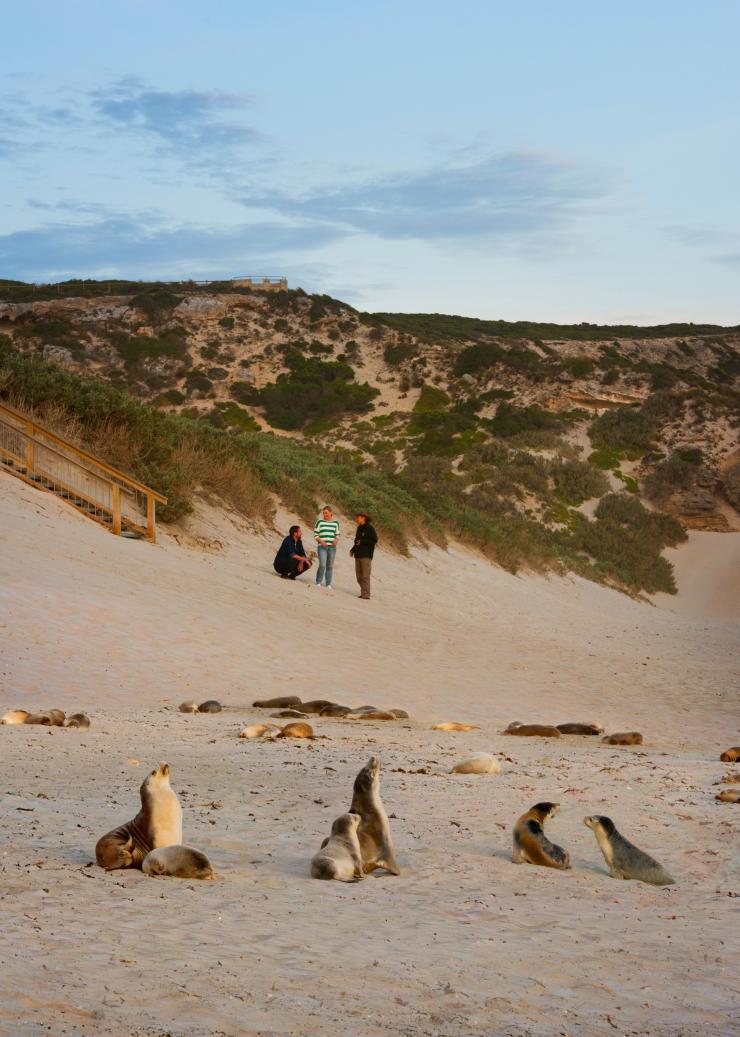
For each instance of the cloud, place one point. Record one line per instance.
(504, 197)
(188, 123)
(697, 236)
(729, 259)
(143, 246)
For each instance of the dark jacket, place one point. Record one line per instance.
(287, 549)
(365, 540)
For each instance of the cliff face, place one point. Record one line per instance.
(657, 416)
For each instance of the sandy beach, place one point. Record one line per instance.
(463, 943)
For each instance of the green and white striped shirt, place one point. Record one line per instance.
(326, 530)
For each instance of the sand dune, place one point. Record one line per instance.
(463, 942)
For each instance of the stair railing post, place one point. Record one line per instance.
(116, 495)
(151, 504)
(29, 446)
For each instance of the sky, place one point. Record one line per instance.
(559, 160)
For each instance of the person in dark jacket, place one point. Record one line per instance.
(291, 560)
(362, 551)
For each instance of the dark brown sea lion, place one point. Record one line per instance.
(211, 706)
(80, 720)
(286, 714)
(374, 831)
(277, 703)
(532, 730)
(316, 705)
(49, 718)
(335, 710)
(158, 823)
(531, 845)
(623, 738)
(730, 755)
(579, 729)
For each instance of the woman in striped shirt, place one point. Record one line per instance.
(326, 532)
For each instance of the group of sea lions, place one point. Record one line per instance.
(556, 730)
(49, 718)
(624, 860)
(292, 706)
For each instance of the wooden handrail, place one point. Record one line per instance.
(127, 479)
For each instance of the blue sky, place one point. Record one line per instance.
(547, 160)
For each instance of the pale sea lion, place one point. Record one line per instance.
(277, 703)
(297, 730)
(624, 860)
(369, 714)
(210, 706)
(623, 738)
(257, 730)
(80, 720)
(158, 823)
(728, 796)
(399, 714)
(532, 730)
(478, 763)
(451, 725)
(15, 716)
(730, 755)
(374, 831)
(179, 862)
(316, 705)
(340, 856)
(188, 707)
(531, 845)
(579, 729)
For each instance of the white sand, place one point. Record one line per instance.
(463, 943)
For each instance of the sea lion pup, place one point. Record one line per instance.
(210, 706)
(158, 823)
(15, 716)
(374, 832)
(478, 763)
(531, 845)
(624, 860)
(451, 725)
(257, 730)
(188, 707)
(316, 705)
(80, 720)
(623, 738)
(728, 756)
(579, 729)
(728, 796)
(179, 862)
(296, 730)
(277, 703)
(532, 730)
(340, 856)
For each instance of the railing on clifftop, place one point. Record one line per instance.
(96, 489)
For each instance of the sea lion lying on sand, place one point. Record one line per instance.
(728, 796)
(49, 718)
(335, 710)
(179, 862)
(531, 845)
(277, 703)
(478, 763)
(730, 755)
(340, 856)
(188, 707)
(579, 729)
(80, 720)
(284, 714)
(532, 730)
(257, 730)
(624, 859)
(369, 714)
(374, 831)
(158, 823)
(211, 706)
(316, 705)
(296, 730)
(451, 725)
(623, 738)
(15, 716)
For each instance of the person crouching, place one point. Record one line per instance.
(291, 560)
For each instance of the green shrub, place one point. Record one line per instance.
(156, 303)
(227, 322)
(577, 481)
(135, 348)
(628, 429)
(245, 392)
(197, 381)
(431, 400)
(511, 419)
(579, 366)
(171, 397)
(313, 390)
(396, 353)
(673, 474)
(478, 357)
(236, 417)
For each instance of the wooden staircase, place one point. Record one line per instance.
(42, 459)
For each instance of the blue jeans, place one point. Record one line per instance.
(326, 563)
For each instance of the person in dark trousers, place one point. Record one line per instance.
(291, 560)
(362, 551)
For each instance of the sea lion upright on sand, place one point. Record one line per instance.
(340, 856)
(624, 859)
(158, 823)
(374, 831)
(179, 862)
(531, 845)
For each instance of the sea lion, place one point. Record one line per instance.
(623, 738)
(335, 710)
(374, 831)
(188, 707)
(369, 714)
(728, 756)
(478, 763)
(179, 862)
(532, 730)
(728, 796)
(158, 823)
(579, 729)
(340, 856)
(451, 725)
(277, 703)
(296, 730)
(287, 713)
(15, 716)
(399, 714)
(80, 720)
(210, 706)
(49, 718)
(531, 845)
(624, 860)
(316, 705)
(257, 730)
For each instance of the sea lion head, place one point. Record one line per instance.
(345, 824)
(545, 810)
(368, 776)
(159, 778)
(599, 821)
